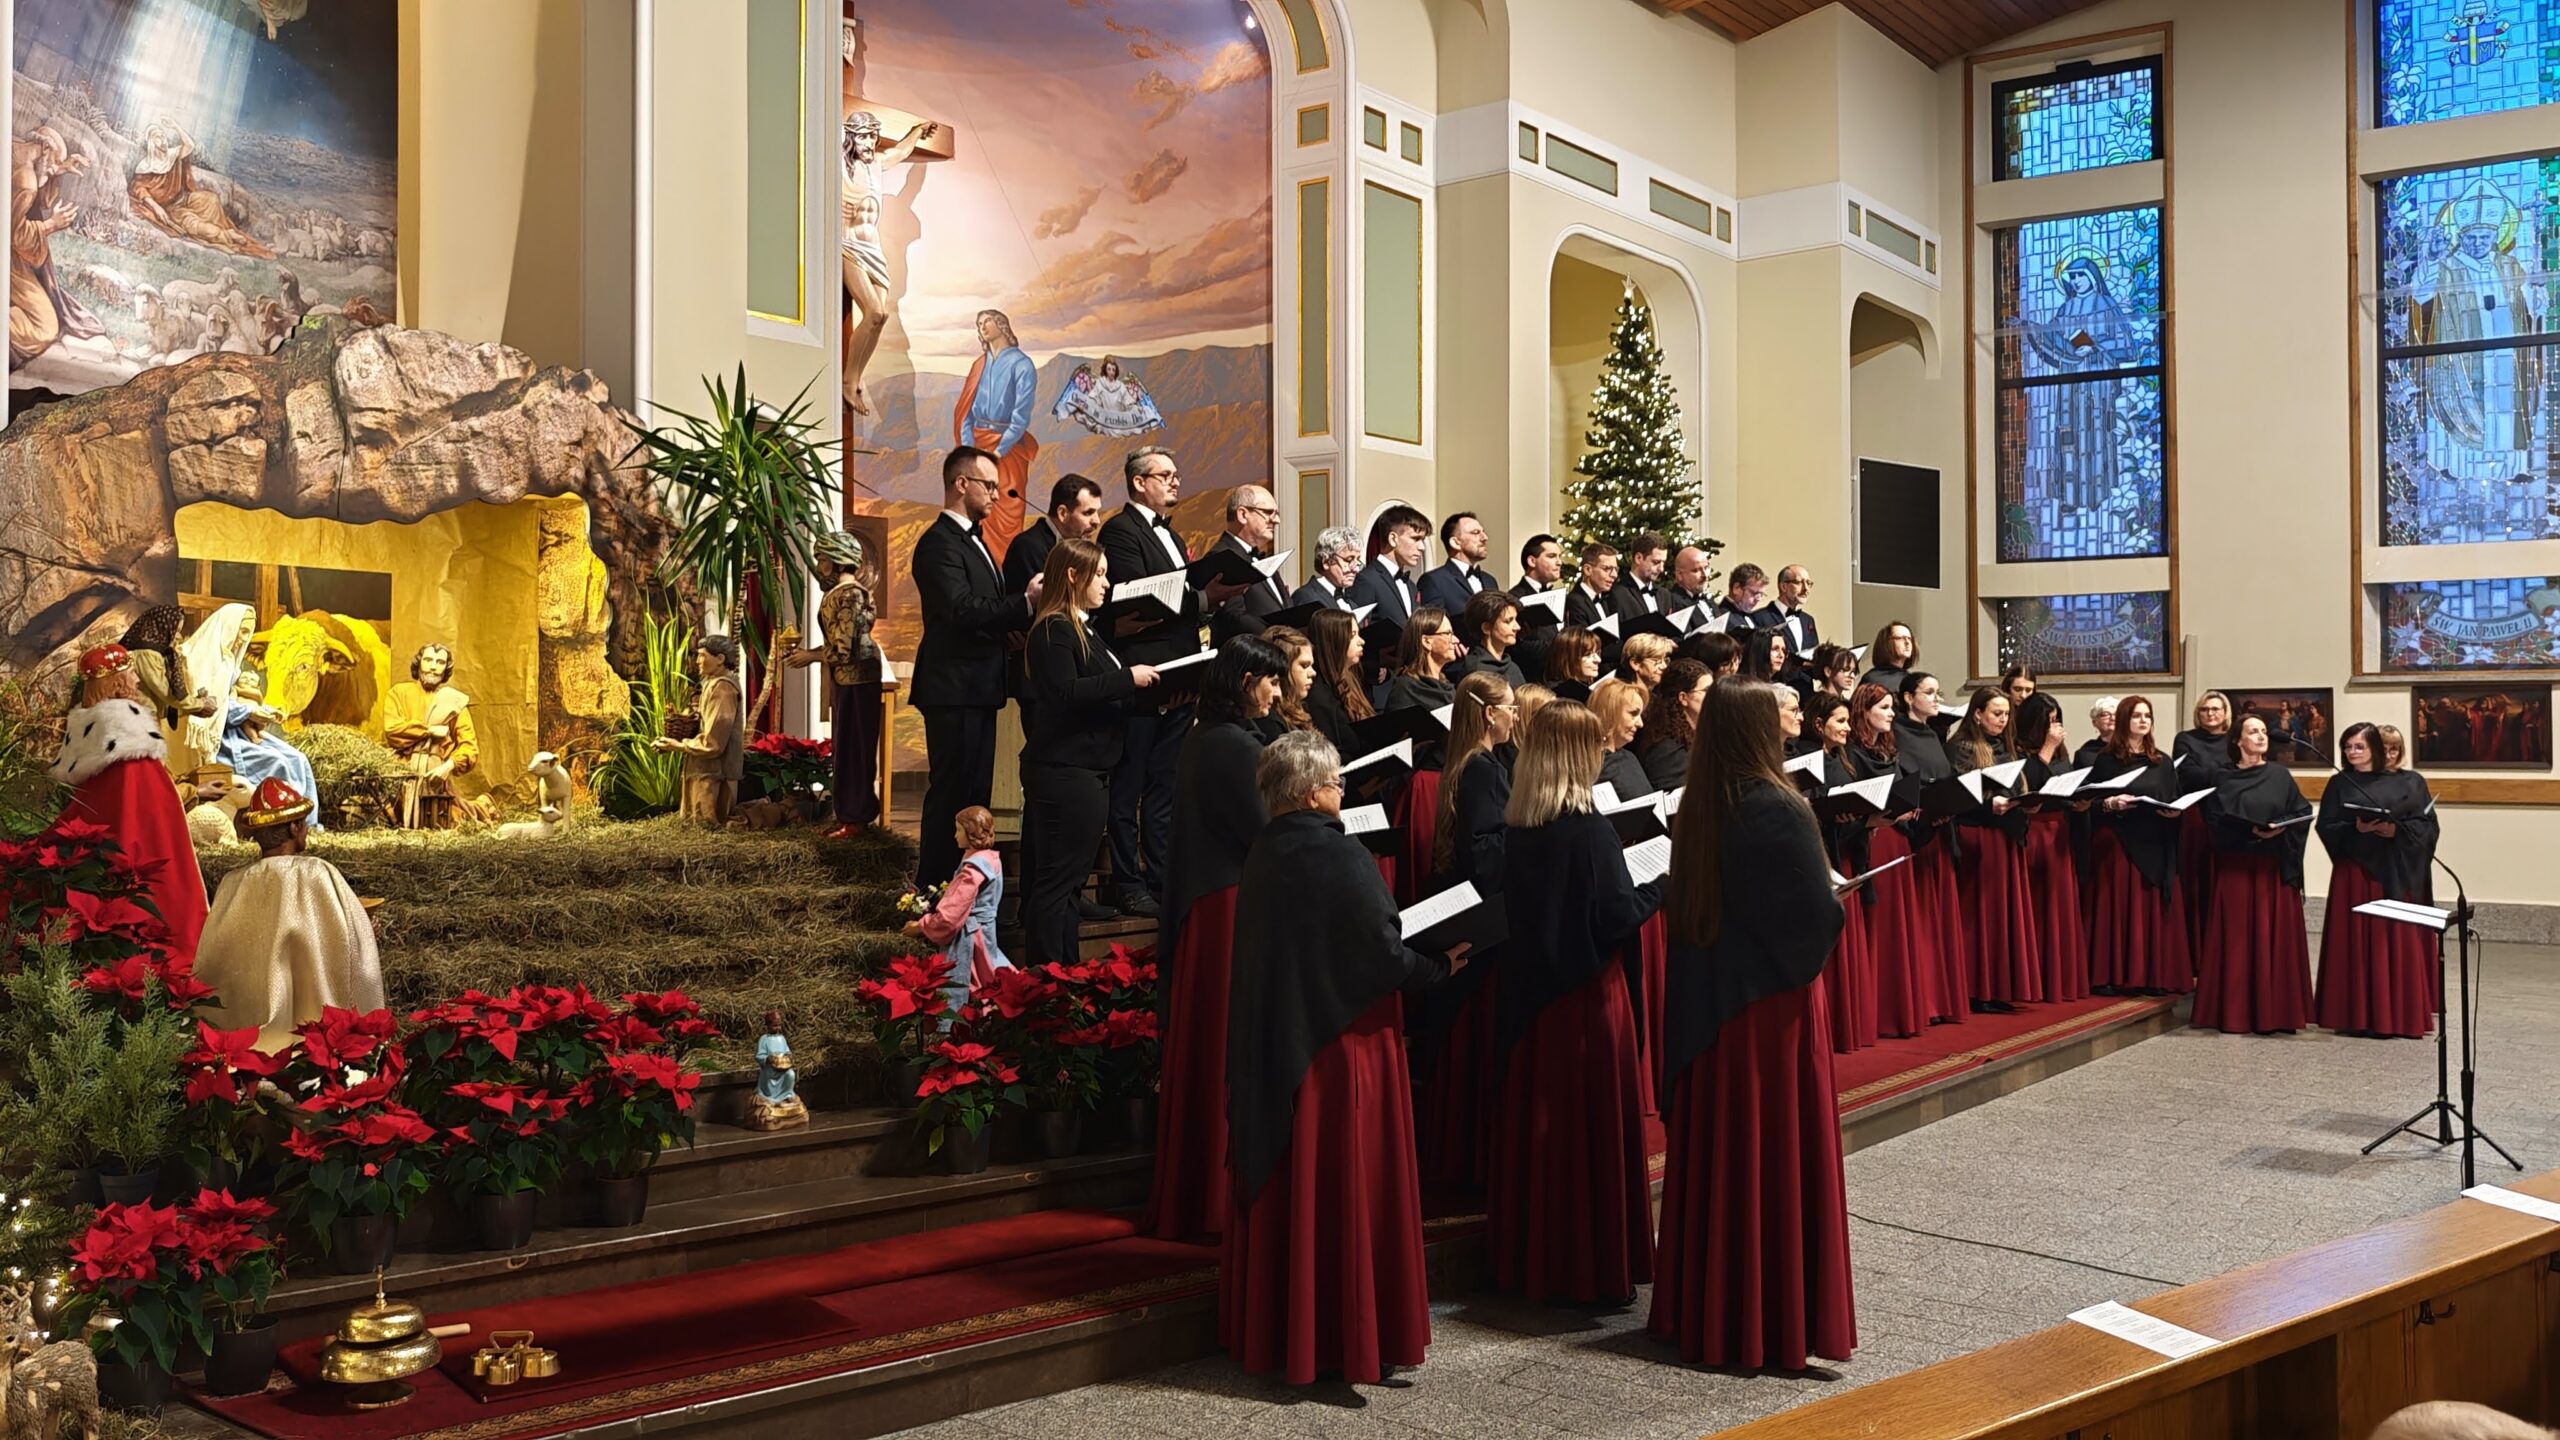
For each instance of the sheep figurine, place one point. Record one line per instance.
(551, 792)
(42, 1385)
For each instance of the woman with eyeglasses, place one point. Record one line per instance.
(1894, 651)
(1905, 933)
(2053, 869)
(2202, 756)
(1453, 1033)
(2253, 976)
(1217, 812)
(1922, 759)
(1421, 680)
(2138, 936)
(1491, 627)
(1992, 883)
(1753, 1271)
(1643, 657)
(1835, 668)
(1569, 1207)
(1337, 698)
(2378, 823)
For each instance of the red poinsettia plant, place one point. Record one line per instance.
(641, 1100)
(168, 1272)
(962, 1089)
(1111, 1008)
(355, 1148)
(909, 1006)
(497, 1076)
(1045, 1020)
(791, 764)
(72, 886)
(227, 1117)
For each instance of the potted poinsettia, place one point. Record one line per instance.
(1123, 987)
(909, 1010)
(640, 1101)
(239, 1275)
(356, 1158)
(226, 1127)
(161, 1274)
(959, 1096)
(496, 1075)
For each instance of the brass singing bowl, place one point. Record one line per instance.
(345, 1363)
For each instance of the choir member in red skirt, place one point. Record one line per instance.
(1569, 1204)
(1621, 706)
(2203, 757)
(1902, 936)
(1922, 758)
(1849, 978)
(1453, 1029)
(2378, 823)
(2254, 974)
(2084, 827)
(2053, 874)
(1754, 1264)
(1216, 814)
(1320, 1269)
(1994, 885)
(2138, 929)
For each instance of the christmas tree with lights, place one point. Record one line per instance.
(1636, 476)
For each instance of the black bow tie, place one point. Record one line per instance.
(1163, 522)
(977, 531)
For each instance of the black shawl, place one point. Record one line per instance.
(2244, 799)
(1665, 764)
(1324, 707)
(1846, 841)
(2400, 862)
(1217, 811)
(1920, 753)
(1484, 788)
(1414, 692)
(1303, 972)
(2013, 824)
(2207, 757)
(1508, 667)
(2149, 836)
(2089, 753)
(1570, 907)
(1621, 771)
(1780, 923)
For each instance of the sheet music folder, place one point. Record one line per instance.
(1458, 914)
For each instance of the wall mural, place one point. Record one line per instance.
(192, 176)
(1056, 246)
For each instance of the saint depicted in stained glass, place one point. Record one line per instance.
(2123, 633)
(2077, 118)
(2468, 350)
(2080, 424)
(2511, 624)
(2436, 59)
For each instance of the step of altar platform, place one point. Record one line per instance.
(737, 1195)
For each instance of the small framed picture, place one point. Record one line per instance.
(2482, 726)
(2302, 725)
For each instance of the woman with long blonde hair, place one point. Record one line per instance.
(1077, 688)
(1453, 1027)
(1569, 1203)
(1620, 706)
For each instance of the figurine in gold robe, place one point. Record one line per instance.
(426, 720)
(287, 934)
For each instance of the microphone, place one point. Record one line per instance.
(2461, 917)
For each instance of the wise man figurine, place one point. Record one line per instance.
(776, 1105)
(287, 935)
(426, 720)
(115, 758)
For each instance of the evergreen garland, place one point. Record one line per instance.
(1635, 476)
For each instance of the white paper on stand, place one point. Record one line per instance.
(2407, 913)
(2148, 1331)
(1650, 860)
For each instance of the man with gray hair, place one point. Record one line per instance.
(1332, 568)
(1253, 524)
(1317, 1089)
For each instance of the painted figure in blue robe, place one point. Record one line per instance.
(777, 1099)
(253, 744)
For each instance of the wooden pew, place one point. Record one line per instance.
(2458, 1303)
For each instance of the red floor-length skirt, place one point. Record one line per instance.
(1754, 1268)
(1569, 1208)
(1190, 1194)
(1903, 940)
(1416, 816)
(1453, 1105)
(1321, 1273)
(2377, 977)
(1647, 959)
(1849, 979)
(2196, 859)
(1934, 862)
(2253, 976)
(2138, 936)
(1999, 919)
(2062, 922)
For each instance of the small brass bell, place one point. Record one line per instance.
(376, 1349)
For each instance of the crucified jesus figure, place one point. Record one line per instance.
(866, 263)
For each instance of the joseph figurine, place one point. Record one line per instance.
(715, 759)
(426, 721)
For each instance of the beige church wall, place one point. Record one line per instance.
(1660, 85)
(1787, 105)
(1899, 412)
(1394, 50)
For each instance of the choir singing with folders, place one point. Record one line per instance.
(1426, 920)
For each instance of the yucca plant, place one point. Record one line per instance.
(633, 780)
(752, 488)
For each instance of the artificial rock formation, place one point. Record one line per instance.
(342, 423)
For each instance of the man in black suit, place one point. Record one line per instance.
(1334, 568)
(959, 680)
(1588, 600)
(1075, 512)
(1452, 585)
(1387, 582)
(1253, 522)
(1794, 584)
(1139, 541)
(1688, 586)
(1746, 600)
(1541, 565)
(1635, 593)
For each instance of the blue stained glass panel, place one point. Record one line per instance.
(2436, 59)
(2082, 431)
(2086, 121)
(2125, 633)
(2470, 328)
(2509, 624)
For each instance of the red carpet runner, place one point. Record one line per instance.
(687, 1339)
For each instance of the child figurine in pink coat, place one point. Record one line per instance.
(963, 920)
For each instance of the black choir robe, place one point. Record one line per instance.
(1324, 706)
(2377, 977)
(1623, 772)
(2253, 967)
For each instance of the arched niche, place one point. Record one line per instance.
(1585, 279)
(1877, 326)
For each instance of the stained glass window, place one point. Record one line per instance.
(2126, 633)
(2079, 117)
(2435, 59)
(2472, 624)
(2082, 439)
(2470, 317)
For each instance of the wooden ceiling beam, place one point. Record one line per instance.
(1940, 40)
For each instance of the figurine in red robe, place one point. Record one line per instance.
(115, 759)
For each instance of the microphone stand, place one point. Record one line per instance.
(2441, 1108)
